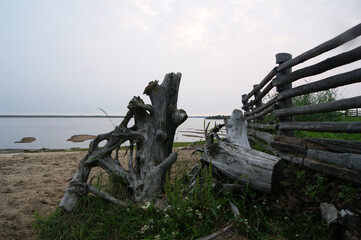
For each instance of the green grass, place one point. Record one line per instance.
(190, 214)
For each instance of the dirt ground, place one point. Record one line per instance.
(32, 182)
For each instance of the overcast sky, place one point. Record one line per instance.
(73, 56)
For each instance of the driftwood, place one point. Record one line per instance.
(152, 135)
(346, 223)
(232, 158)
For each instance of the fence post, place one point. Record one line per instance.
(256, 94)
(281, 58)
(244, 103)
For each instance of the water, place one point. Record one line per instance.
(53, 133)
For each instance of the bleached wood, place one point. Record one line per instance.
(152, 134)
(234, 160)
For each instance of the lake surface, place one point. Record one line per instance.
(53, 133)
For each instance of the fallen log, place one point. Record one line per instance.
(235, 161)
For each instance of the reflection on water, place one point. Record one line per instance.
(53, 132)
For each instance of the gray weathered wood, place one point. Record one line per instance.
(268, 78)
(289, 148)
(262, 126)
(264, 136)
(336, 105)
(328, 64)
(258, 97)
(325, 84)
(348, 35)
(335, 145)
(263, 107)
(348, 160)
(233, 160)
(324, 144)
(329, 213)
(339, 172)
(341, 127)
(284, 103)
(152, 134)
(252, 116)
(236, 128)
(266, 146)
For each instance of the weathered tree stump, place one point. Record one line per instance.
(152, 134)
(234, 160)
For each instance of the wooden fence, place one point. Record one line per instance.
(271, 121)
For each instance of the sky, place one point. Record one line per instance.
(76, 56)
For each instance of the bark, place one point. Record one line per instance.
(152, 134)
(233, 159)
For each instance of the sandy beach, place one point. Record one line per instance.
(32, 182)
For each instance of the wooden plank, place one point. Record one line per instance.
(325, 84)
(268, 78)
(331, 145)
(339, 172)
(330, 63)
(336, 105)
(264, 136)
(348, 35)
(348, 160)
(262, 126)
(341, 127)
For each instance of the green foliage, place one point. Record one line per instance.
(347, 194)
(315, 98)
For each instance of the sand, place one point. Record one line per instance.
(32, 182)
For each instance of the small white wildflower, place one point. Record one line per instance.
(219, 207)
(145, 228)
(189, 209)
(146, 205)
(285, 218)
(151, 221)
(254, 206)
(163, 229)
(128, 210)
(174, 234)
(186, 198)
(157, 237)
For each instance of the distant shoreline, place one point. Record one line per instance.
(71, 116)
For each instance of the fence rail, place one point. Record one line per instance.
(340, 158)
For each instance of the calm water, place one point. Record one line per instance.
(53, 132)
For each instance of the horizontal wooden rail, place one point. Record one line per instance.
(340, 127)
(262, 126)
(332, 145)
(268, 78)
(261, 114)
(321, 85)
(342, 173)
(267, 89)
(328, 64)
(336, 105)
(348, 160)
(324, 47)
(264, 136)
